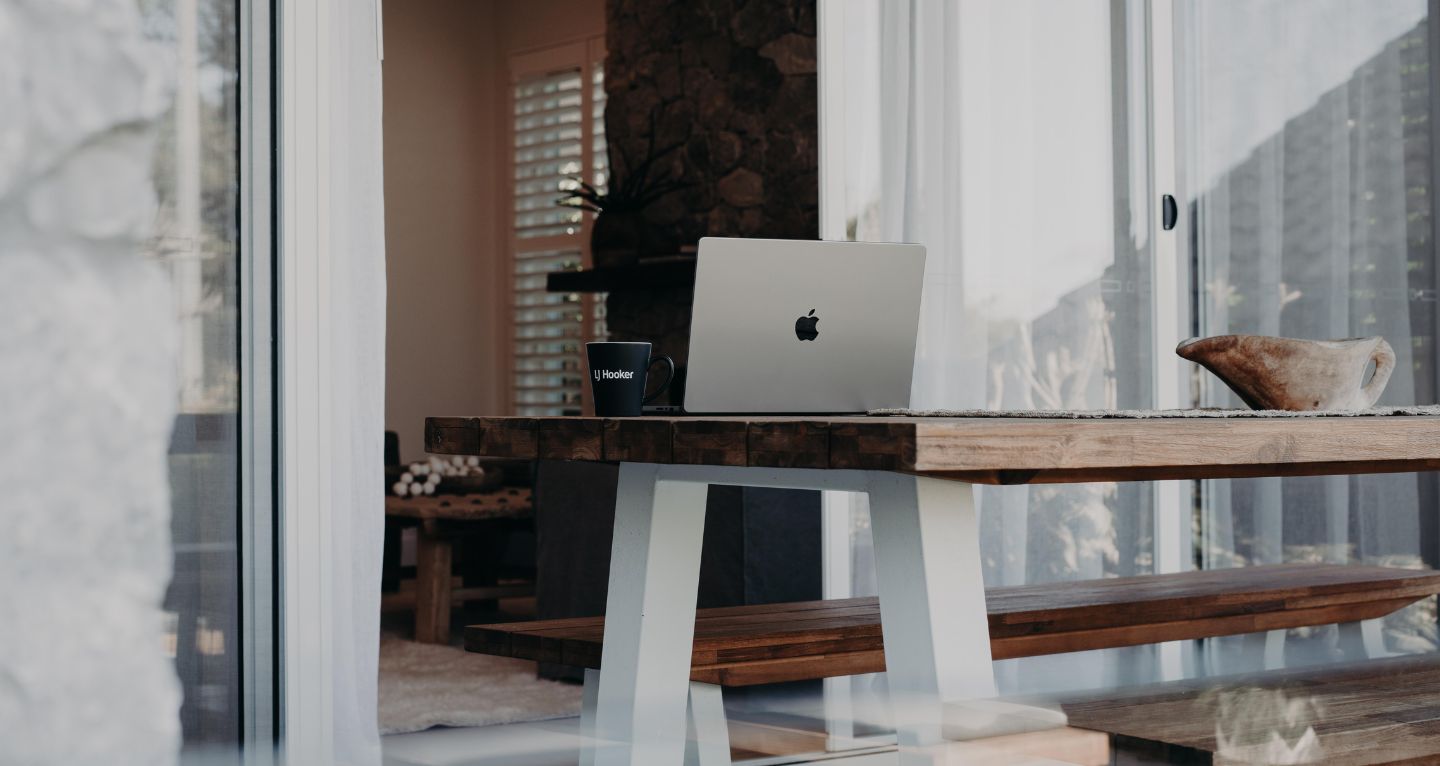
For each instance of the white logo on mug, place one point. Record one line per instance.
(612, 375)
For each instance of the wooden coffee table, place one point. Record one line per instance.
(439, 518)
(919, 474)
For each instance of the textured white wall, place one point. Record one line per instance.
(87, 391)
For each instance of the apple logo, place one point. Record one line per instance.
(805, 326)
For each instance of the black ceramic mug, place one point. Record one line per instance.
(617, 377)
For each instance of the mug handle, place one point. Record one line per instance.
(670, 363)
(1384, 358)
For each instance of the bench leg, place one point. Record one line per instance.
(1266, 649)
(839, 714)
(432, 586)
(709, 743)
(650, 619)
(1363, 640)
(932, 600)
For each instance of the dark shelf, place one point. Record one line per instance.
(649, 274)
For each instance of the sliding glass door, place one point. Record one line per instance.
(218, 630)
(1307, 134)
(1029, 146)
(1027, 179)
(1012, 140)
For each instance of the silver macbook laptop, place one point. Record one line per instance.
(783, 326)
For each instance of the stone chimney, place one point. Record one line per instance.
(733, 84)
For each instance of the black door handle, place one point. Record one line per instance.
(1169, 212)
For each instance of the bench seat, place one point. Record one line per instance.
(771, 643)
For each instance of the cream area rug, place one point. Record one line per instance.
(425, 685)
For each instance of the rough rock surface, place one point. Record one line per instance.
(87, 391)
(732, 84)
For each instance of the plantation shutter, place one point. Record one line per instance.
(558, 135)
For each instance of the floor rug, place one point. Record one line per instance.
(425, 685)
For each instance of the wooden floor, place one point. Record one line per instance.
(1378, 712)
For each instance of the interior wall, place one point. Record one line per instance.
(442, 161)
(530, 24)
(446, 204)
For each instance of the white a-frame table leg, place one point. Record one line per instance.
(932, 600)
(650, 619)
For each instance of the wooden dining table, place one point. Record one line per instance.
(919, 473)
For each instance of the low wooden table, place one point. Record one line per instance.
(436, 518)
(918, 473)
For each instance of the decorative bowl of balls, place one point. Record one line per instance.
(442, 476)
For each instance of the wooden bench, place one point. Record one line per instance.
(747, 645)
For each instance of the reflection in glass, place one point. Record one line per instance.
(1035, 218)
(1011, 140)
(1309, 130)
(196, 237)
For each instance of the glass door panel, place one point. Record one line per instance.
(197, 176)
(1050, 274)
(1020, 160)
(1012, 140)
(1308, 128)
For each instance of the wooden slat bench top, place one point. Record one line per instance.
(746, 645)
(983, 450)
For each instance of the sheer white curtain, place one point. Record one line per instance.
(995, 141)
(1310, 144)
(357, 345)
(332, 376)
(1002, 136)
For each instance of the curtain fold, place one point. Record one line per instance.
(999, 136)
(357, 345)
(996, 147)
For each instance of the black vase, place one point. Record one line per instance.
(617, 239)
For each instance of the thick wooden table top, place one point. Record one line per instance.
(983, 450)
